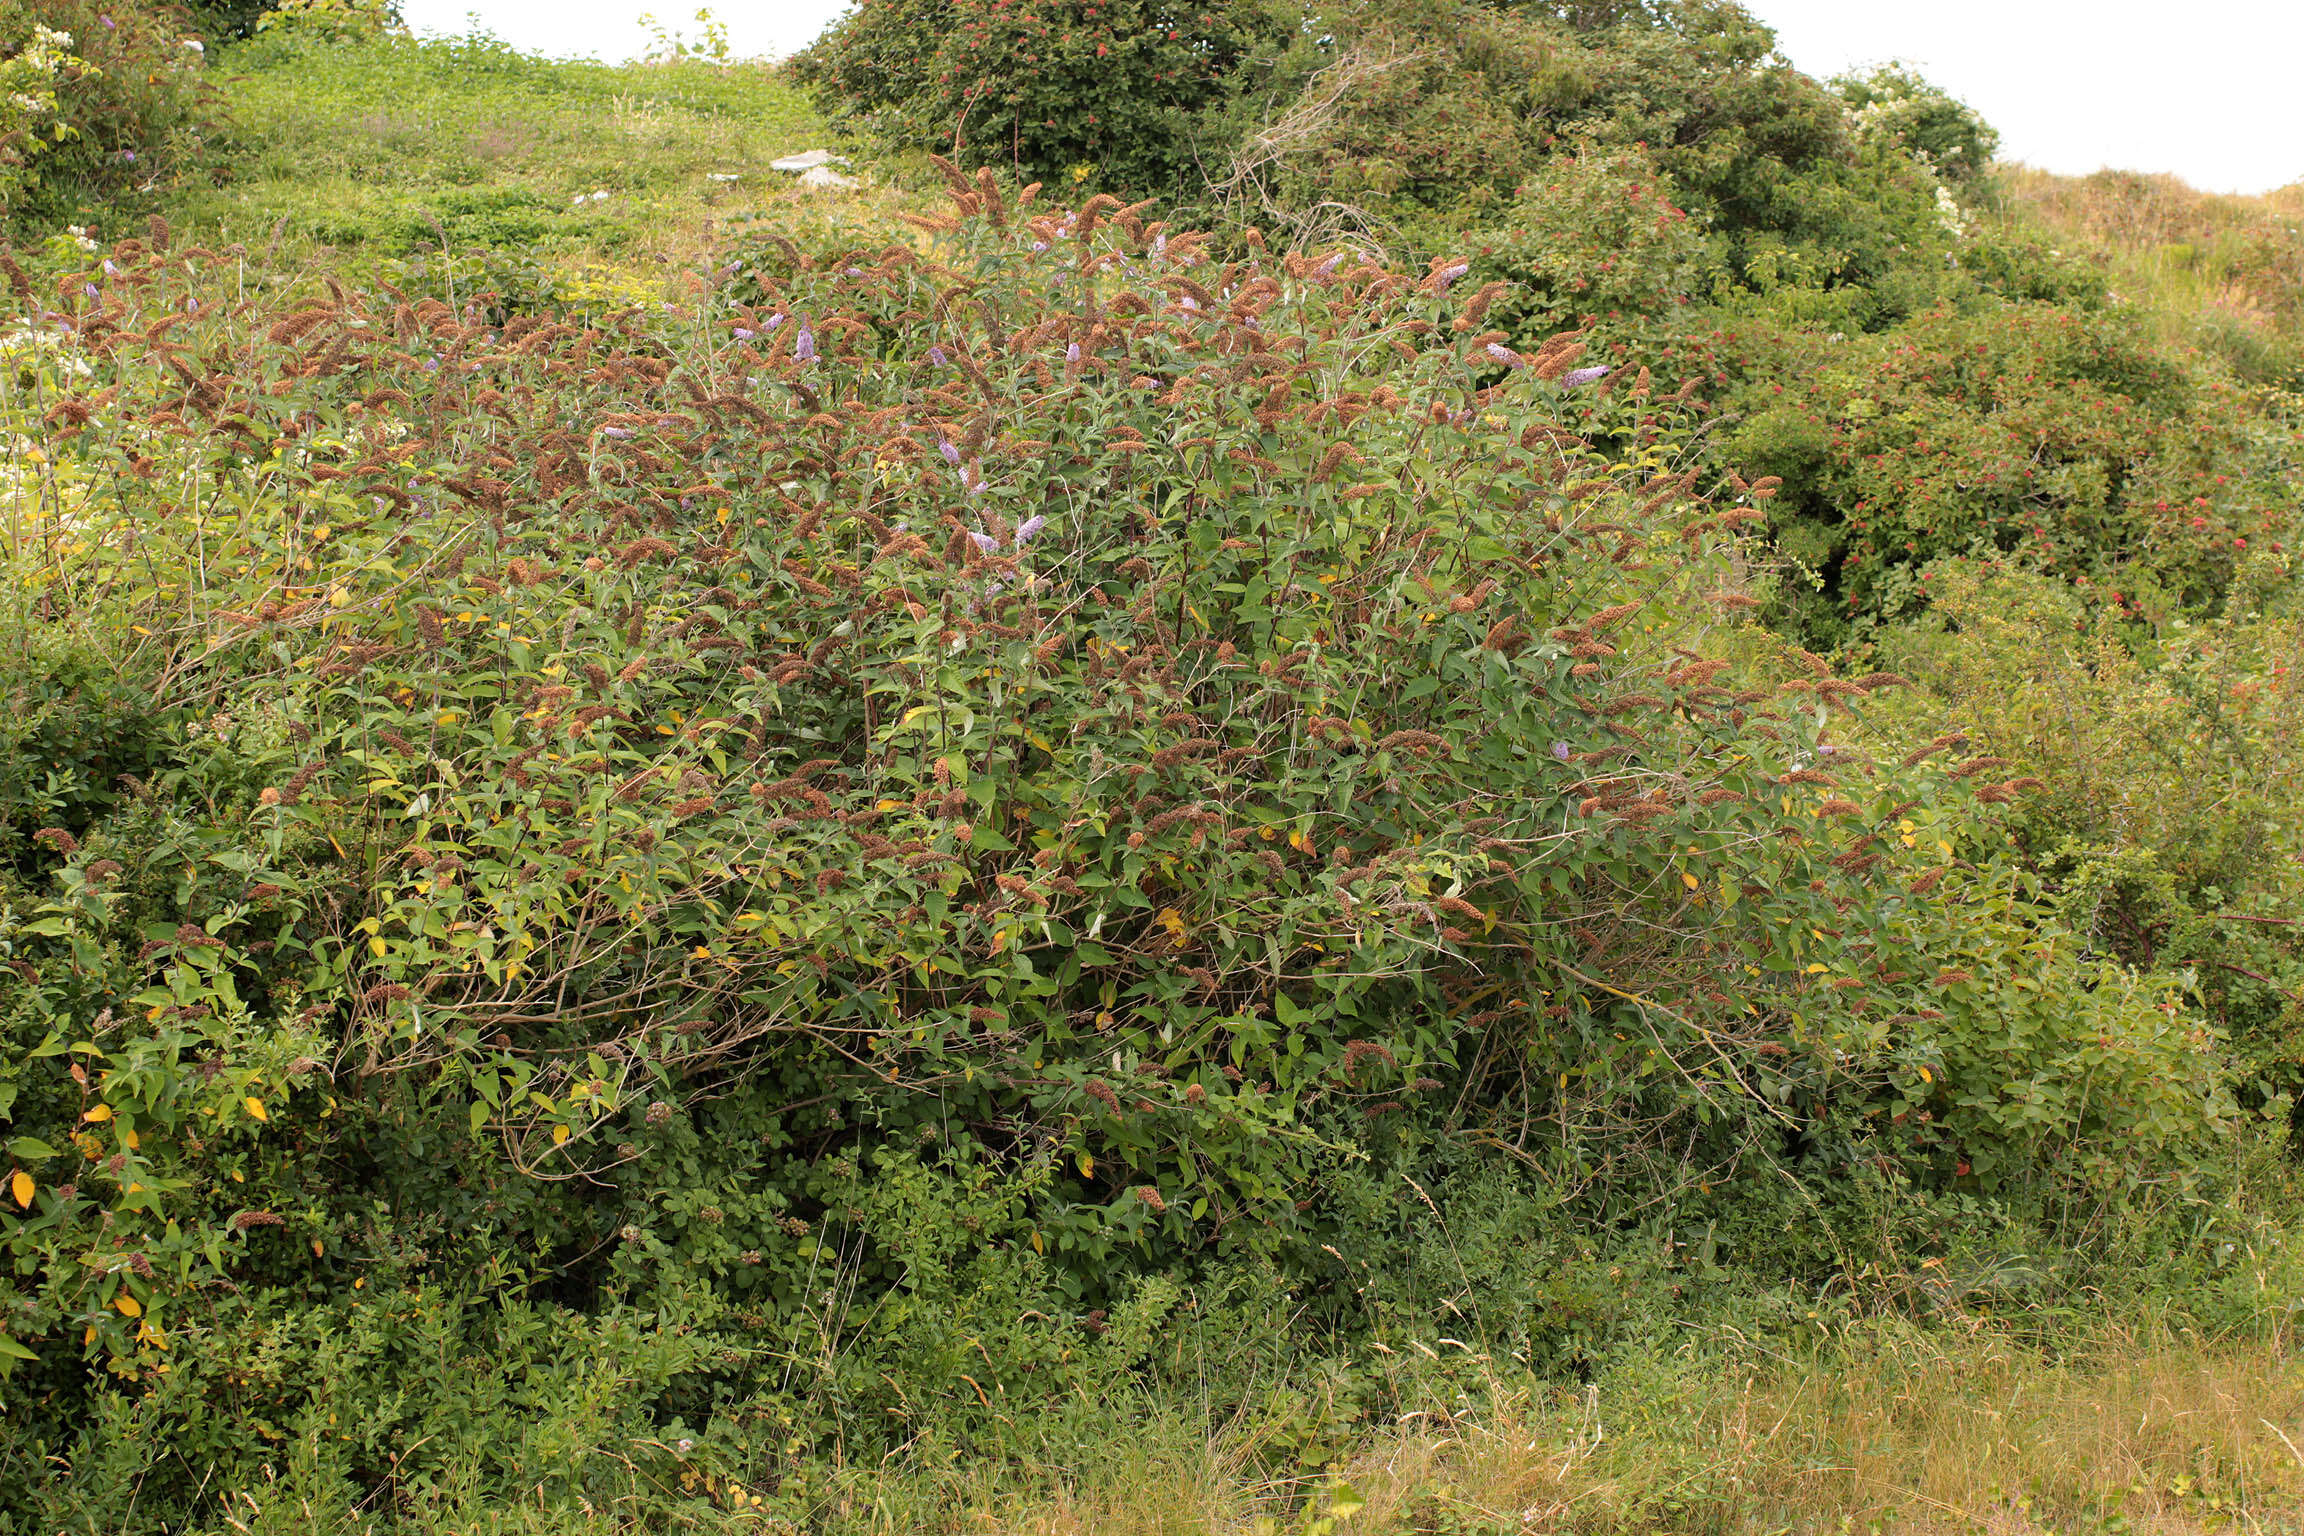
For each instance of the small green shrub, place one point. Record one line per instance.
(2171, 754)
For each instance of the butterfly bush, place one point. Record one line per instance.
(1284, 743)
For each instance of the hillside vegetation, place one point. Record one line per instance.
(1481, 770)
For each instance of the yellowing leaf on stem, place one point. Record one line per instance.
(255, 1108)
(21, 1186)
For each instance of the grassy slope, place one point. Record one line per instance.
(1961, 1428)
(383, 150)
(2223, 272)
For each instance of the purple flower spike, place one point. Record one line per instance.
(1560, 750)
(92, 290)
(109, 24)
(745, 333)
(1072, 353)
(1328, 267)
(936, 356)
(1029, 527)
(1503, 354)
(804, 344)
(109, 269)
(1449, 274)
(619, 433)
(773, 322)
(1583, 376)
(985, 543)
(951, 454)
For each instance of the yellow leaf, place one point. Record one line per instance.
(318, 1248)
(376, 946)
(559, 1134)
(1925, 1076)
(1087, 1167)
(1688, 879)
(129, 1306)
(21, 1186)
(99, 1113)
(255, 1108)
(1038, 1246)
(1817, 970)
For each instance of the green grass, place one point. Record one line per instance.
(390, 149)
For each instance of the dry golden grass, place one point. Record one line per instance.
(1930, 1433)
(2186, 253)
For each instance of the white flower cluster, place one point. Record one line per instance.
(1948, 213)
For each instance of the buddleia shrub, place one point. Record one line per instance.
(101, 101)
(1003, 765)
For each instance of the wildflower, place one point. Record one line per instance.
(1159, 246)
(1328, 267)
(109, 25)
(91, 290)
(1504, 354)
(619, 433)
(1027, 528)
(1560, 750)
(936, 356)
(951, 454)
(1450, 273)
(984, 542)
(109, 269)
(744, 333)
(1580, 377)
(1072, 353)
(773, 322)
(804, 344)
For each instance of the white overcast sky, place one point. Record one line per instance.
(2209, 89)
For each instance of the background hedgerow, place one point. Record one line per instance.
(1132, 94)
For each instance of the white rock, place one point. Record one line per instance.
(807, 162)
(823, 178)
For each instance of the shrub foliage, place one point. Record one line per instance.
(1018, 765)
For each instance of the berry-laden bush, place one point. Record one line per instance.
(2066, 438)
(1130, 93)
(95, 99)
(925, 795)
